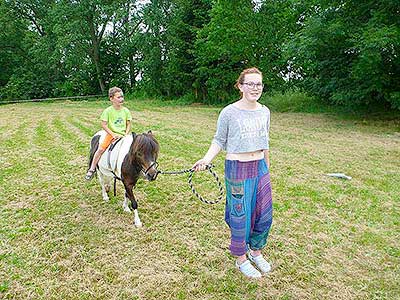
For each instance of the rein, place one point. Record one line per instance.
(191, 172)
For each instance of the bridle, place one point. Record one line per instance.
(153, 165)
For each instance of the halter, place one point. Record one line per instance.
(145, 172)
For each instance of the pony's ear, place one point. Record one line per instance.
(149, 132)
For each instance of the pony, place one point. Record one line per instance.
(127, 159)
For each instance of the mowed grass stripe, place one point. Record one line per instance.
(45, 140)
(329, 193)
(87, 129)
(49, 245)
(71, 141)
(32, 220)
(15, 155)
(331, 239)
(15, 138)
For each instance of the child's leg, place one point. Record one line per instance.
(96, 159)
(102, 147)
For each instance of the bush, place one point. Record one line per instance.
(293, 101)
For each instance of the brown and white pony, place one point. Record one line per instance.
(132, 157)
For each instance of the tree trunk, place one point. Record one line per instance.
(132, 74)
(96, 61)
(95, 53)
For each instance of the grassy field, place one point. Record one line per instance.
(331, 238)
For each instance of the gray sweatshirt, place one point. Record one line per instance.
(240, 131)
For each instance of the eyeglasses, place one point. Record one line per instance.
(253, 85)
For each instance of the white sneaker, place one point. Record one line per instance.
(260, 262)
(248, 269)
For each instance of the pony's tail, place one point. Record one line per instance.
(94, 145)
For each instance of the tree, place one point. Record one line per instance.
(348, 52)
(11, 48)
(37, 71)
(120, 54)
(223, 48)
(277, 22)
(153, 47)
(187, 18)
(83, 25)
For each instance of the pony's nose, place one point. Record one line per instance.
(151, 176)
(151, 172)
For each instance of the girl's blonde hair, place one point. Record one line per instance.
(240, 79)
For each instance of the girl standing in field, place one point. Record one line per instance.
(243, 132)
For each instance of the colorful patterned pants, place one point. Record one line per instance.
(248, 210)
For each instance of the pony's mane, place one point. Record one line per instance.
(145, 142)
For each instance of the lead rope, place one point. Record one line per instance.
(191, 172)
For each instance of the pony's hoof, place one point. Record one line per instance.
(106, 199)
(127, 209)
(138, 224)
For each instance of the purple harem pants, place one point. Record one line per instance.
(248, 210)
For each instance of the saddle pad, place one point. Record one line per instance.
(112, 161)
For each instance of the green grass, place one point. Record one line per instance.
(331, 239)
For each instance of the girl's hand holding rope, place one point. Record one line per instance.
(201, 165)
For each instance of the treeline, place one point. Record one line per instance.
(344, 52)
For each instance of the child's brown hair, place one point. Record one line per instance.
(112, 91)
